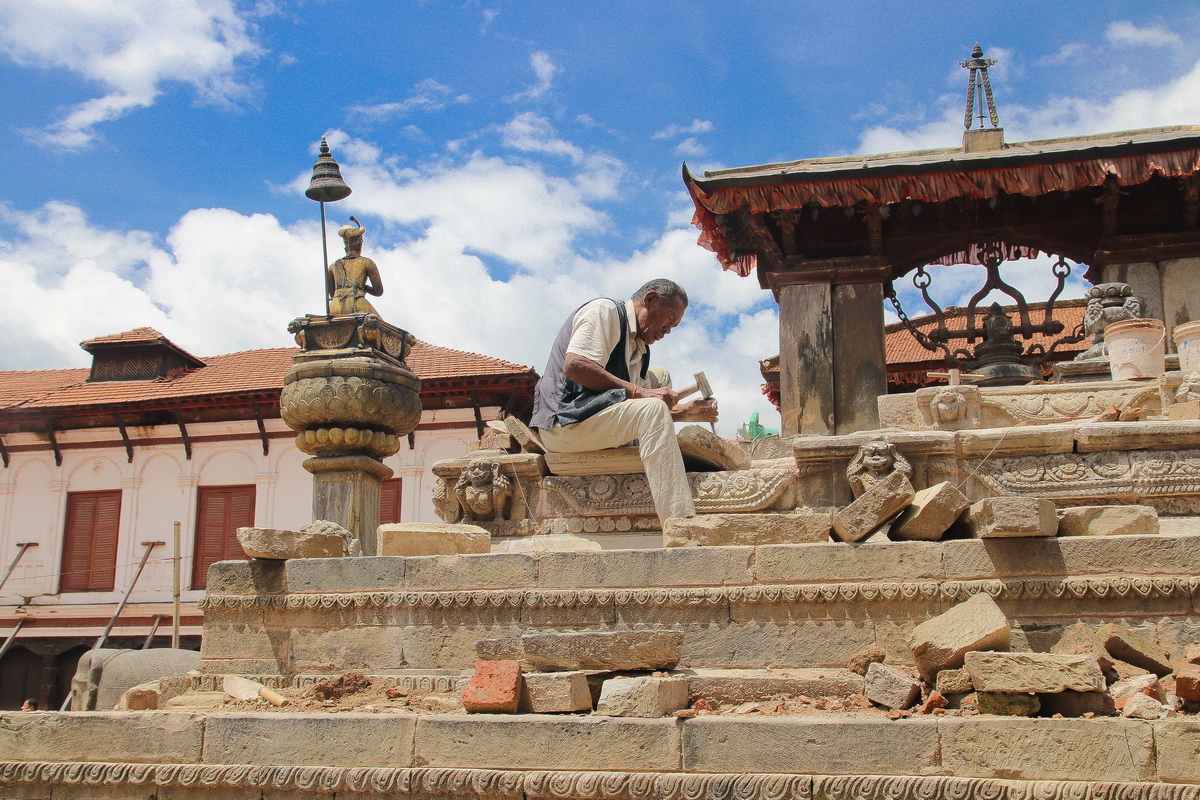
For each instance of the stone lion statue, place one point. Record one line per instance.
(483, 491)
(873, 462)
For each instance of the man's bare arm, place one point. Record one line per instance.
(588, 373)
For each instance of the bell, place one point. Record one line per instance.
(326, 185)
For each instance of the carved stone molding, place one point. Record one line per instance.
(1109, 472)
(714, 492)
(569, 785)
(872, 591)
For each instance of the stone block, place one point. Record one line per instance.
(1125, 645)
(474, 571)
(1033, 672)
(1107, 521)
(642, 696)
(700, 445)
(819, 563)
(676, 566)
(272, 543)
(431, 539)
(1080, 639)
(1007, 704)
(556, 693)
(506, 649)
(1191, 653)
(931, 513)
(1078, 704)
(346, 739)
(606, 650)
(706, 530)
(1147, 684)
(1178, 744)
(1187, 410)
(940, 643)
(526, 742)
(1164, 555)
(1187, 682)
(1048, 749)
(1002, 517)
(149, 737)
(362, 574)
(954, 681)
(874, 508)
(143, 697)
(1141, 706)
(890, 687)
(246, 577)
(808, 745)
(494, 688)
(547, 543)
(861, 662)
(742, 686)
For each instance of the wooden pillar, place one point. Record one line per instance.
(859, 356)
(806, 355)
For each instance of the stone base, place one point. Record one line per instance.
(346, 491)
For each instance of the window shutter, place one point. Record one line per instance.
(90, 541)
(220, 511)
(389, 501)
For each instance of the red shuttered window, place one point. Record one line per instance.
(90, 541)
(389, 501)
(220, 511)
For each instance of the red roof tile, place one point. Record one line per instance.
(148, 335)
(20, 386)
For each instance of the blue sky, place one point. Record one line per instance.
(509, 159)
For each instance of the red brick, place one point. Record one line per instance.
(495, 687)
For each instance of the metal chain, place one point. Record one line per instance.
(889, 292)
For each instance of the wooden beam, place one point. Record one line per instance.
(262, 429)
(125, 439)
(761, 240)
(183, 434)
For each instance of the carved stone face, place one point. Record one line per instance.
(877, 458)
(479, 473)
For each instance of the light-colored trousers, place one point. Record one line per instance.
(649, 421)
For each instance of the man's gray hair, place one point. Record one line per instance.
(664, 288)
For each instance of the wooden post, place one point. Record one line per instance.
(859, 356)
(806, 396)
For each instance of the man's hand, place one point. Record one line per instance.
(668, 396)
(696, 411)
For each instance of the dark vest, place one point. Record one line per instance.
(560, 400)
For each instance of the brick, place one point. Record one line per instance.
(890, 687)
(1107, 521)
(1033, 672)
(1125, 645)
(975, 624)
(874, 508)
(1187, 682)
(932, 512)
(495, 687)
(642, 697)
(1004, 517)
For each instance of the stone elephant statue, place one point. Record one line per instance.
(105, 674)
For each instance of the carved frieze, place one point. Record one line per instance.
(627, 495)
(955, 408)
(1104, 473)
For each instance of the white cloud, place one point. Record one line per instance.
(130, 48)
(1125, 33)
(690, 148)
(1068, 52)
(673, 130)
(945, 131)
(532, 133)
(544, 70)
(428, 95)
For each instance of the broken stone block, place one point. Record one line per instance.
(642, 697)
(1107, 521)
(1080, 640)
(431, 539)
(1188, 409)
(1147, 684)
(1187, 683)
(1142, 706)
(954, 681)
(874, 508)
(507, 649)
(143, 697)
(556, 693)
(1078, 704)
(890, 687)
(975, 624)
(861, 662)
(1191, 653)
(931, 513)
(545, 543)
(1004, 517)
(1122, 643)
(1122, 670)
(279, 544)
(698, 444)
(1033, 672)
(495, 687)
(350, 544)
(707, 530)
(606, 650)
(1007, 704)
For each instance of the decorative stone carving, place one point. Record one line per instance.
(1107, 303)
(1099, 474)
(618, 495)
(955, 408)
(1189, 389)
(483, 492)
(874, 462)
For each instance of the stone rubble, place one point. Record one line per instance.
(1033, 672)
(603, 650)
(932, 512)
(803, 526)
(1004, 517)
(555, 693)
(643, 696)
(874, 508)
(890, 686)
(942, 642)
(1125, 645)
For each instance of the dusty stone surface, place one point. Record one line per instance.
(1033, 672)
(1078, 704)
(697, 443)
(1147, 684)
(495, 687)
(1125, 645)
(803, 526)
(338, 740)
(874, 508)
(150, 737)
(143, 697)
(645, 696)
(548, 543)
(1107, 521)
(954, 681)
(1080, 639)
(506, 649)
(1008, 704)
(735, 687)
(350, 544)
(431, 539)
(555, 693)
(931, 513)
(862, 661)
(1187, 682)
(608, 650)
(1191, 653)
(1003, 517)
(1143, 706)
(280, 545)
(940, 643)
(890, 686)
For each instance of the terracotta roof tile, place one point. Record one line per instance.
(431, 362)
(135, 335)
(20, 386)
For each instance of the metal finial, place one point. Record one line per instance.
(326, 185)
(978, 77)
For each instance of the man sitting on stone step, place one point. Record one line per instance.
(598, 391)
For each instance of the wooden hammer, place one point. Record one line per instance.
(706, 393)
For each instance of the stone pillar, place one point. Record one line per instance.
(346, 491)
(859, 356)
(806, 359)
(1180, 293)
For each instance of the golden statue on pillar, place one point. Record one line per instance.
(351, 278)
